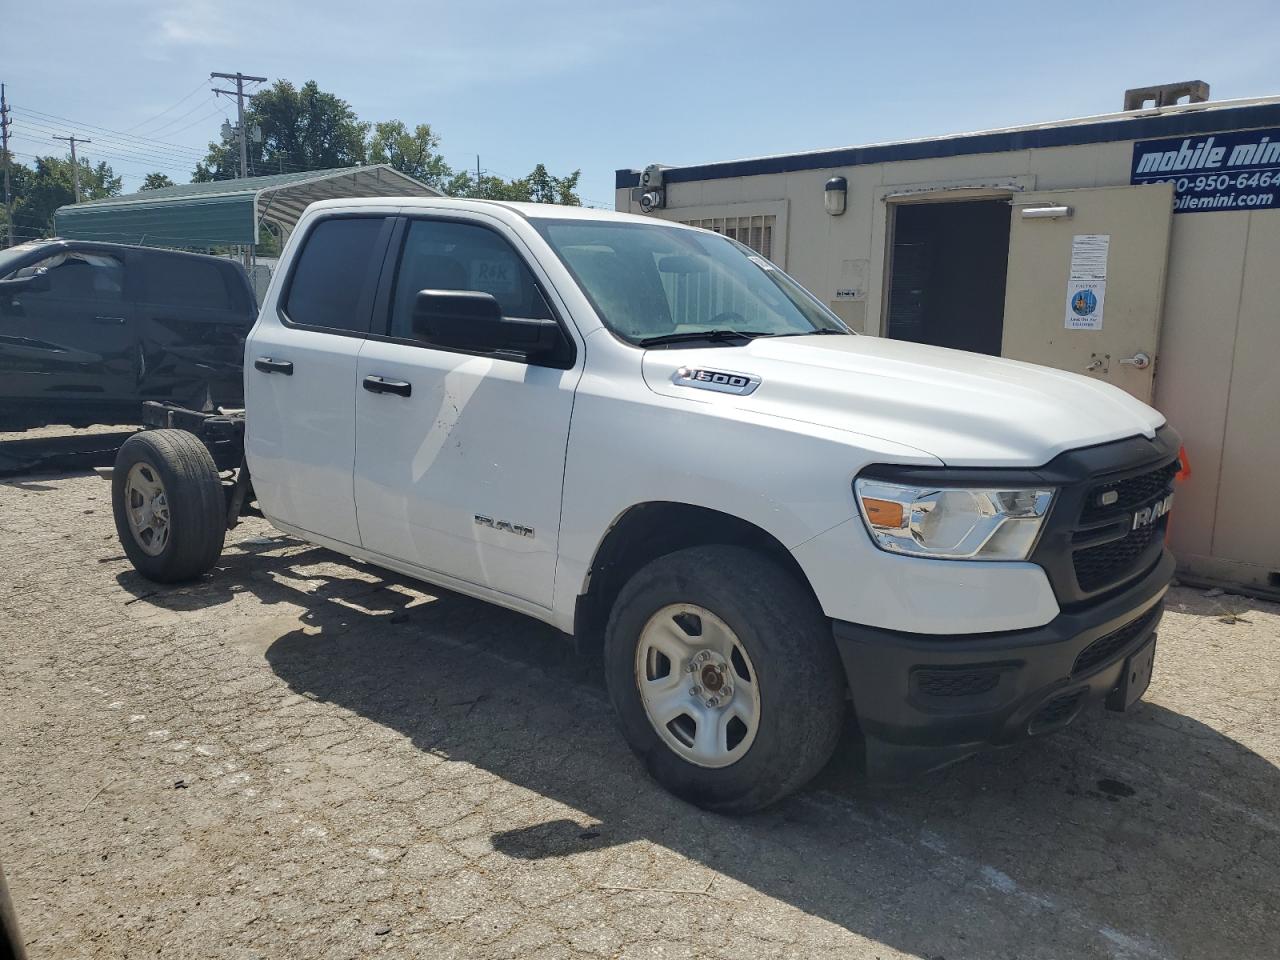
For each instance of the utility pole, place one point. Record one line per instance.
(238, 93)
(4, 146)
(243, 134)
(75, 165)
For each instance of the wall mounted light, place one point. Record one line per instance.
(1045, 213)
(836, 195)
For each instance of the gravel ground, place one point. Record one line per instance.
(301, 756)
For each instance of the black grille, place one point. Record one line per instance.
(1105, 647)
(1108, 563)
(1103, 565)
(1134, 492)
(956, 683)
(1056, 712)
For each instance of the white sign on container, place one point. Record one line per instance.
(1087, 285)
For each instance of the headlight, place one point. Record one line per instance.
(953, 523)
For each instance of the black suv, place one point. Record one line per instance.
(90, 330)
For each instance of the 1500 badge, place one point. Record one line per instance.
(720, 381)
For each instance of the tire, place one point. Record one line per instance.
(783, 640)
(187, 528)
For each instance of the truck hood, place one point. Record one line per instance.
(966, 409)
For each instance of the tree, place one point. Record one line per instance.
(308, 129)
(486, 187)
(544, 188)
(416, 154)
(40, 190)
(19, 177)
(155, 181)
(538, 187)
(302, 129)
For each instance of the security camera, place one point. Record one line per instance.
(650, 194)
(652, 200)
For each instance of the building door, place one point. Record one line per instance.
(1085, 283)
(946, 280)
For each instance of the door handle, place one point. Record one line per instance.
(1139, 361)
(401, 388)
(267, 365)
(115, 320)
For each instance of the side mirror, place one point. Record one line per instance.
(473, 320)
(37, 282)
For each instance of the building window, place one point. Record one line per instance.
(754, 232)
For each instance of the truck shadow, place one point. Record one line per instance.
(1099, 841)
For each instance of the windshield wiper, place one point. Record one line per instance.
(694, 336)
(824, 332)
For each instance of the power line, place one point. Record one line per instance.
(199, 86)
(178, 119)
(123, 150)
(118, 142)
(208, 116)
(97, 129)
(126, 158)
(131, 166)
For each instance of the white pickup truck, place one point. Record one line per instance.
(652, 438)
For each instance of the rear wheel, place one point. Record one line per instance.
(169, 508)
(724, 676)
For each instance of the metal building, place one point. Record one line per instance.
(1141, 248)
(226, 212)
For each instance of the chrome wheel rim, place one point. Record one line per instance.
(147, 508)
(698, 685)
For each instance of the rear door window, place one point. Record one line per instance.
(186, 282)
(334, 278)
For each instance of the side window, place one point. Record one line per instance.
(442, 255)
(185, 282)
(81, 276)
(332, 281)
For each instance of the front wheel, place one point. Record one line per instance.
(169, 508)
(725, 677)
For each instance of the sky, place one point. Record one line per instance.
(597, 86)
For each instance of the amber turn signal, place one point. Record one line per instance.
(883, 513)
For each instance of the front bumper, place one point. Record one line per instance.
(923, 701)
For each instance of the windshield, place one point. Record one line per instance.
(653, 282)
(11, 257)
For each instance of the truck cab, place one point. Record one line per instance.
(650, 437)
(90, 330)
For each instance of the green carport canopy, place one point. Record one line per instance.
(221, 212)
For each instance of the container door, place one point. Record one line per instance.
(1085, 286)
